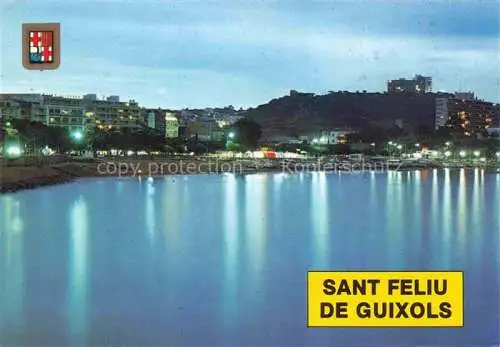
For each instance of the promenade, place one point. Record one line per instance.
(32, 172)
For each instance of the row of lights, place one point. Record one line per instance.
(463, 154)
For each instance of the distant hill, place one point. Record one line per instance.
(300, 113)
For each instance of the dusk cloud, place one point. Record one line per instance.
(214, 53)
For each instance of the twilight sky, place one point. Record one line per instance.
(197, 53)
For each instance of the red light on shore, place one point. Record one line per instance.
(269, 154)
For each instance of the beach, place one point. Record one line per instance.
(19, 176)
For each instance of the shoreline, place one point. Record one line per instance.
(18, 178)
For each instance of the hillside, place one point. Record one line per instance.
(300, 113)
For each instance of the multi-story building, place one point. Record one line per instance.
(464, 111)
(418, 84)
(113, 98)
(75, 113)
(9, 109)
(171, 125)
(207, 124)
(472, 116)
(22, 106)
(441, 112)
(328, 137)
(151, 118)
(65, 112)
(464, 96)
(114, 115)
(90, 97)
(496, 116)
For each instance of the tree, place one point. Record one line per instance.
(248, 132)
(353, 138)
(374, 134)
(233, 146)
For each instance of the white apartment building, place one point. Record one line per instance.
(114, 115)
(65, 112)
(171, 125)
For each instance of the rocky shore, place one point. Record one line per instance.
(19, 178)
(15, 178)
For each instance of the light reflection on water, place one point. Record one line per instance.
(319, 219)
(222, 260)
(12, 274)
(231, 250)
(77, 272)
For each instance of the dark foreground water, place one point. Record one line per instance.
(222, 260)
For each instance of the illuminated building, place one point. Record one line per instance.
(465, 112)
(329, 137)
(10, 109)
(471, 116)
(419, 84)
(65, 112)
(441, 112)
(151, 119)
(74, 113)
(111, 114)
(171, 125)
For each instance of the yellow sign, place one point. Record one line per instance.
(385, 299)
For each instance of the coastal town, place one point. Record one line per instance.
(249, 173)
(47, 138)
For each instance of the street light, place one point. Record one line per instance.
(463, 154)
(448, 143)
(477, 153)
(400, 146)
(77, 135)
(498, 154)
(14, 151)
(417, 145)
(231, 135)
(447, 153)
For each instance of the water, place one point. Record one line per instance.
(222, 260)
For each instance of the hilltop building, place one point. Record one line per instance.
(418, 84)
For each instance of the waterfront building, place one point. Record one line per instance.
(22, 106)
(65, 112)
(441, 112)
(111, 114)
(155, 119)
(9, 109)
(464, 111)
(74, 113)
(171, 125)
(472, 116)
(151, 119)
(328, 136)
